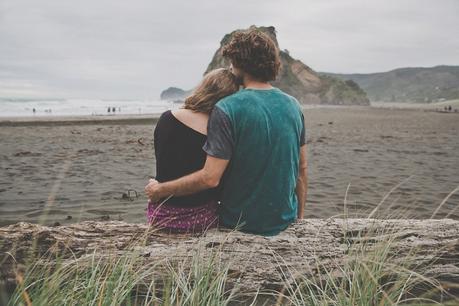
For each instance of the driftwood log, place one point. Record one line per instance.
(258, 263)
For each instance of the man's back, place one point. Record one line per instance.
(260, 131)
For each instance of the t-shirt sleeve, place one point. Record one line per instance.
(303, 132)
(220, 140)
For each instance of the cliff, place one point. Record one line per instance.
(302, 82)
(408, 84)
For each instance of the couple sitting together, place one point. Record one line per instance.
(232, 158)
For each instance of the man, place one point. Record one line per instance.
(255, 146)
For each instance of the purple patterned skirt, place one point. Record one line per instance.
(183, 219)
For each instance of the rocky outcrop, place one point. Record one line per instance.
(302, 82)
(173, 94)
(296, 79)
(422, 85)
(255, 262)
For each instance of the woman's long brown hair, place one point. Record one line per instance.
(215, 85)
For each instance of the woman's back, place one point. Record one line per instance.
(179, 138)
(178, 151)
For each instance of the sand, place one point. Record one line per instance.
(72, 169)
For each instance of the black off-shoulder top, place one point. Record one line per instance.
(178, 151)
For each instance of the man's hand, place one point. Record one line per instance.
(152, 190)
(207, 177)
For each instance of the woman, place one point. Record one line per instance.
(178, 139)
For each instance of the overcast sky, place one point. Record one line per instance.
(134, 49)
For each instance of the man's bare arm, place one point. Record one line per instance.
(208, 177)
(302, 182)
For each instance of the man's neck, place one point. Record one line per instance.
(254, 84)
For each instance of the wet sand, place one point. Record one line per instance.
(71, 169)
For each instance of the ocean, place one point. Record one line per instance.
(82, 107)
(98, 107)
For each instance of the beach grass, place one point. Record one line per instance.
(373, 274)
(98, 279)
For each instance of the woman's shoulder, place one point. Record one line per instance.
(164, 124)
(166, 115)
(194, 120)
(187, 113)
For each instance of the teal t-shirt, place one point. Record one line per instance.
(260, 131)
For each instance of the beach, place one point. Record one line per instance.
(71, 169)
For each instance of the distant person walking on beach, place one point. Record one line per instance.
(255, 146)
(178, 139)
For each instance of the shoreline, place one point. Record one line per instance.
(434, 107)
(136, 119)
(79, 120)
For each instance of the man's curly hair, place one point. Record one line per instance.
(255, 53)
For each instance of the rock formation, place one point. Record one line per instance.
(300, 81)
(173, 93)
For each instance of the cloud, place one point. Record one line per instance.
(108, 49)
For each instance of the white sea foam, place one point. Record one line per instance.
(81, 107)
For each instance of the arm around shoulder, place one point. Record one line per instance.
(208, 177)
